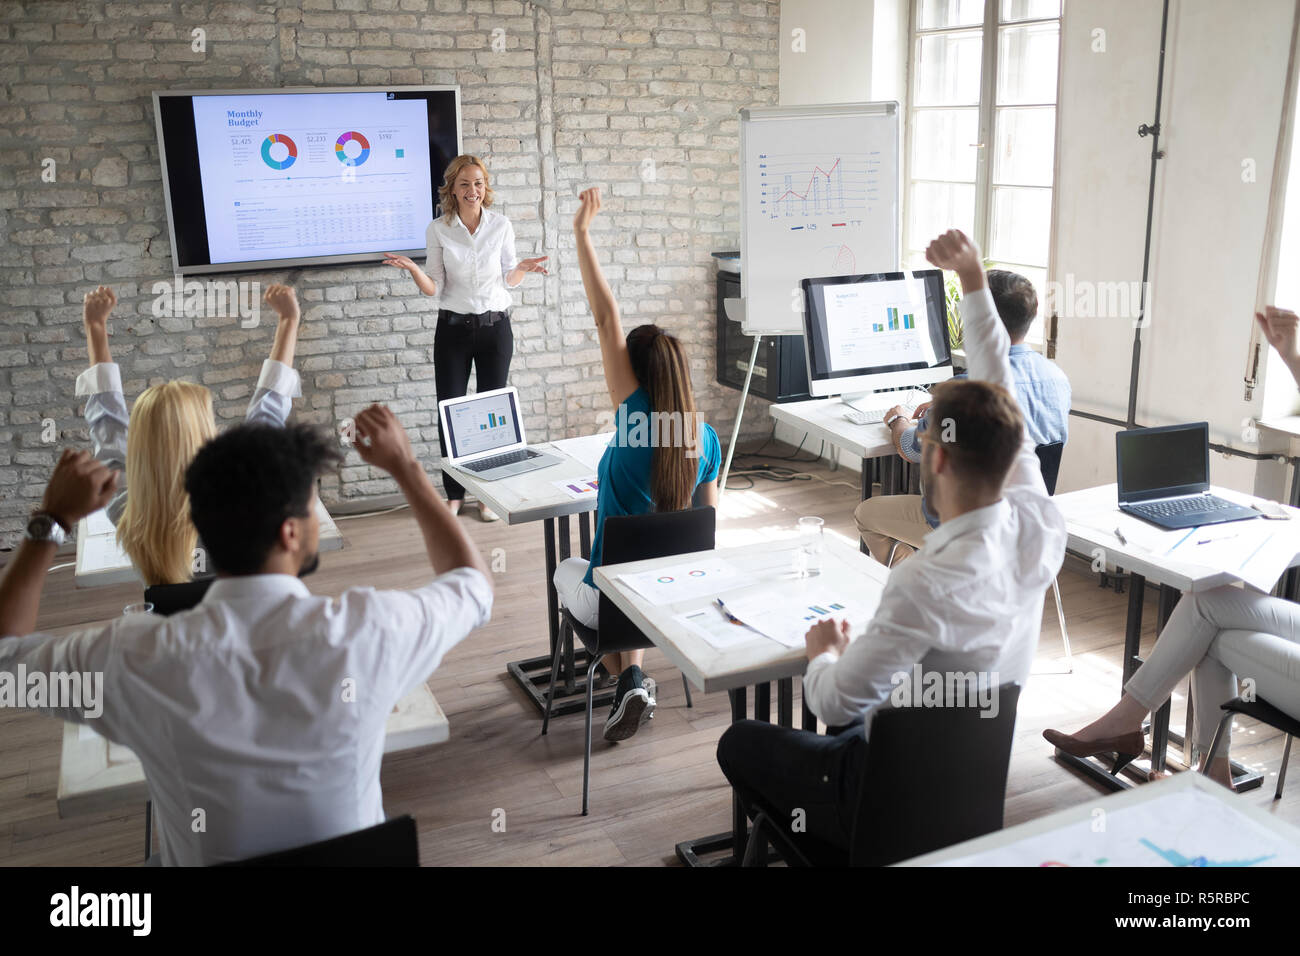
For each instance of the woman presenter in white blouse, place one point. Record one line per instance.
(471, 263)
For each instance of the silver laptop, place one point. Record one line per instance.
(485, 435)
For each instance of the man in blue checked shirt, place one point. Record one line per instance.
(1040, 386)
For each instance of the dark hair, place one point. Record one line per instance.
(1016, 301)
(247, 481)
(981, 428)
(661, 368)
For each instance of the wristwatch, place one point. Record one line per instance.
(44, 527)
(893, 418)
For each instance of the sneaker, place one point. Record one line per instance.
(487, 514)
(632, 704)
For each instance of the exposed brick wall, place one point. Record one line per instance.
(585, 92)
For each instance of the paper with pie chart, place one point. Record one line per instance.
(293, 175)
(685, 581)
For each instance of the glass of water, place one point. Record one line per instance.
(143, 607)
(808, 558)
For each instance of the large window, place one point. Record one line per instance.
(982, 137)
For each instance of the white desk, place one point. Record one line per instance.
(534, 496)
(96, 775)
(823, 419)
(1092, 515)
(1185, 820)
(756, 661)
(100, 562)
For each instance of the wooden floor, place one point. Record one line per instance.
(648, 793)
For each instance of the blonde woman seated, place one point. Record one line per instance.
(167, 426)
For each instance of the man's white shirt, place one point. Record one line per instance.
(259, 715)
(972, 598)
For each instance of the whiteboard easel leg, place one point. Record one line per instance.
(740, 413)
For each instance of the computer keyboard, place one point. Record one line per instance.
(496, 461)
(872, 416)
(907, 399)
(1182, 506)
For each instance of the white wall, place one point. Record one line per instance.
(835, 64)
(1224, 85)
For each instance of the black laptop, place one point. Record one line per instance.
(1164, 477)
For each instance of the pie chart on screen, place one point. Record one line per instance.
(352, 149)
(279, 151)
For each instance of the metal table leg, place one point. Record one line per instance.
(533, 674)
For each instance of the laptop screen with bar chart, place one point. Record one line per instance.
(483, 424)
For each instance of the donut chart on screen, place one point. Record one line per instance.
(361, 157)
(283, 140)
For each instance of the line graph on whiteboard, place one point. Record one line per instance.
(803, 186)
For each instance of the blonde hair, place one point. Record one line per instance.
(446, 194)
(169, 423)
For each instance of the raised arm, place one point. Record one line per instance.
(619, 377)
(383, 443)
(107, 418)
(94, 316)
(284, 301)
(987, 342)
(1281, 328)
(278, 384)
(79, 486)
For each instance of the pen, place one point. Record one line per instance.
(717, 602)
(1122, 539)
(1227, 537)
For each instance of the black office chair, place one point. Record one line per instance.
(934, 776)
(628, 538)
(1265, 713)
(169, 599)
(391, 843)
(1049, 457)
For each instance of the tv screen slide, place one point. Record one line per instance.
(265, 178)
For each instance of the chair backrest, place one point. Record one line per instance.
(639, 538)
(934, 776)
(1049, 457)
(391, 843)
(169, 599)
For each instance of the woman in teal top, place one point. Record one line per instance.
(660, 453)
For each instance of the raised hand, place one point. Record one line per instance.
(955, 252)
(1281, 329)
(381, 439)
(588, 206)
(97, 305)
(79, 486)
(283, 299)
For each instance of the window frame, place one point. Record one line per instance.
(986, 133)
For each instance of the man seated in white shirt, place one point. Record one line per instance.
(258, 715)
(969, 602)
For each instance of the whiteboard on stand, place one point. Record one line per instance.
(819, 193)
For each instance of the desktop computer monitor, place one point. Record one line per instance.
(865, 333)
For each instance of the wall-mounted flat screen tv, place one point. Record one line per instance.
(262, 179)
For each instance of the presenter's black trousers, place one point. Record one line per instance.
(484, 341)
(781, 770)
